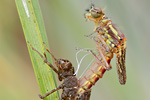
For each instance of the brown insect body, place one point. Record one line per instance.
(70, 83)
(65, 72)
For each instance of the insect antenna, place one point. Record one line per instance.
(92, 5)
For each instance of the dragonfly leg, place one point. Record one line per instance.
(47, 94)
(100, 40)
(85, 95)
(49, 52)
(96, 30)
(45, 55)
(100, 47)
(104, 43)
(44, 59)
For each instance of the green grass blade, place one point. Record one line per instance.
(34, 31)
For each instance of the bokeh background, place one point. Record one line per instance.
(66, 26)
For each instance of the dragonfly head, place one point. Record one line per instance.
(96, 12)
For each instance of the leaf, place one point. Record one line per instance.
(34, 32)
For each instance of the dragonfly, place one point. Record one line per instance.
(109, 37)
(65, 72)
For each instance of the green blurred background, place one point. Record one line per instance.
(66, 26)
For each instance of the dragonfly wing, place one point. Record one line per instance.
(120, 62)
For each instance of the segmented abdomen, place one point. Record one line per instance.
(89, 79)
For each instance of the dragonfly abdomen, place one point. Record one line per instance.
(91, 77)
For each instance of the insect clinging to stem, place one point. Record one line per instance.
(65, 72)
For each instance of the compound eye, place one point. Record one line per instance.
(95, 14)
